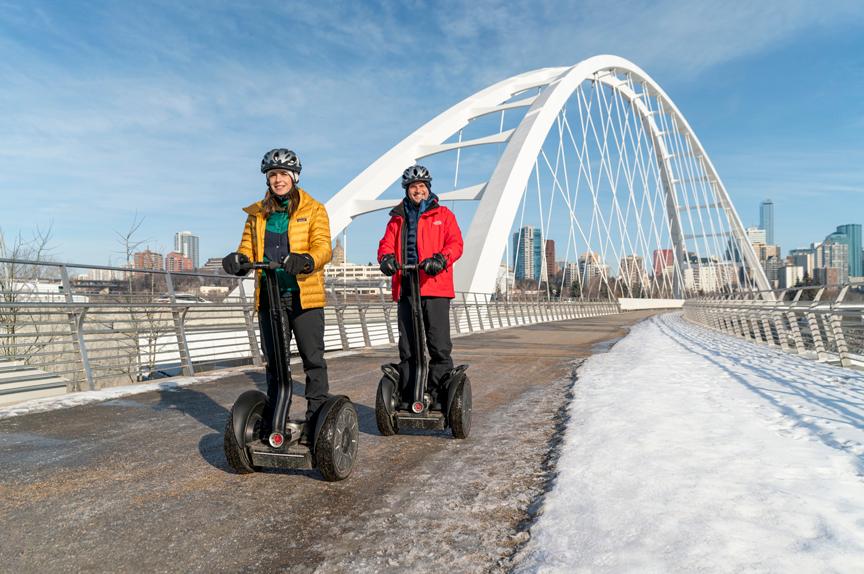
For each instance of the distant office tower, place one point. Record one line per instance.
(527, 253)
(591, 265)
(757, 235)
(176, 261)
(147, 260)
(835, 255)
(766, 220)
(571, 276)
(187, 244)
(804, 258)
(850, 235)
(631, 269)
(664, 261)
(551, 265)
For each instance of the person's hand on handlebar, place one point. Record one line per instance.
(236, 264)
(434, 265)
(389, 265)
(297, 263)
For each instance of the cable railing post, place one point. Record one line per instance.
(777, 315)
(813, 324)
(248, 319)
(837, 327)
(76, 323)
(487, 299)
(792, 318)
(467, 312)
(479, 313)
(364, 326)
(340, 323)
(179, 327)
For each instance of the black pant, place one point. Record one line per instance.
(436, 319)
(308, 327)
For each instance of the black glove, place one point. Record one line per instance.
(434, 265)
(297, 263)
(388, 265)
(236, 264)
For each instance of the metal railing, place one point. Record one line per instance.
(824, 323)
(61, 331)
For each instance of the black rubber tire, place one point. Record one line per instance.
(385, 421)
(236, 453)
(337, 442)
(460, 411)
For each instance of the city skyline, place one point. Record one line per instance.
(144, 110)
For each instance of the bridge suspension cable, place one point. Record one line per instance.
(598, 163)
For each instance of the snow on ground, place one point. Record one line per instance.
(688, 450)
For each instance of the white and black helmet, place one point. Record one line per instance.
(281, 158)
(416, 173)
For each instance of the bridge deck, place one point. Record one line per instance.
(141, 484)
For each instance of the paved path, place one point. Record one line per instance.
(141, 483)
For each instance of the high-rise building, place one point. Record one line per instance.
(187, 244)
(591, 265)
(527, 253)
(850, 234)
(664, 261)
(757, 235)
(766, 220)
(213, 265)
(551, 265)
(147, 260)
(632, 270)
(571, 276)
(804, 258)
(835, 255)
(176, 261)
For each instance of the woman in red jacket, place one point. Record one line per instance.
(422, 231)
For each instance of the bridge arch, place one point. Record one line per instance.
(499, 197)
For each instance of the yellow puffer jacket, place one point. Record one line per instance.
(308, 232)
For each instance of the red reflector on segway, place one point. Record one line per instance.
(417, 407)
(276, 440)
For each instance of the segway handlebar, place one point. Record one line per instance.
(269, 265)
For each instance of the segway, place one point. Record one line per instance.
(397, 407)
(253, 443)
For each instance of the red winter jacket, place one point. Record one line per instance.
(437, 232)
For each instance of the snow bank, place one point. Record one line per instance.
(688, 450)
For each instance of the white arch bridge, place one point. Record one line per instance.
(586, 180)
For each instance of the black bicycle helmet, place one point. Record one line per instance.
(281, 158)
(416, 173)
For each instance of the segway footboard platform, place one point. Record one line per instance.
(430, 420)
(292, 457)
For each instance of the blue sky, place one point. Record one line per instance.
(165, 108)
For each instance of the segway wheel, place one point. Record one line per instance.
(460, 411)
(383, 417)
(243, 427)
(337, 441)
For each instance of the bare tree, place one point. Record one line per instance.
(19, 274)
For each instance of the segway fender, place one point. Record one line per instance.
(388, 391)
(243, 407)
(238, 430)
(330, 405)
(455, 379)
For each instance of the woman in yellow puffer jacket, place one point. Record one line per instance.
(289, 227)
